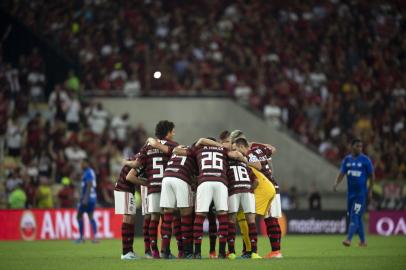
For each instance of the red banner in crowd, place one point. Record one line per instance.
(56, 224)
(387, 222)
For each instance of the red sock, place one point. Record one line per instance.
(274, 232)
(127, 237)
(153, 232)
(178, 232)
(187, 232)
(198, 233)
(147, 241)
(252, 227)
(166, 231)
(231, 237)
(223, 232)
(212, 231)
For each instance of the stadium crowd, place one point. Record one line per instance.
(43, 144)
(327, 71)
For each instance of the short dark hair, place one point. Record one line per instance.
(241, 141)
(224, 135)
(355, 141)
(162, 128)
(87, 161)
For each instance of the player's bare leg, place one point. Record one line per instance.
(127, 237)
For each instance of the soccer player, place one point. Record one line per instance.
(212, 185)
(154, 161)
(262, 153)
(241, 183)
(125, 205)
(88, 200)
(211, 215)
(134, 177)
(226, 142)
(358, 168)
(177, 193)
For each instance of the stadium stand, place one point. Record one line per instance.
(300, 65)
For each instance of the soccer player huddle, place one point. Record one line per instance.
(229, 179)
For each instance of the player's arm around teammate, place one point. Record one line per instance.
(133, 178)
(176, 194)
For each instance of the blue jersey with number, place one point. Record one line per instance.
(89, 176)
(358, 169)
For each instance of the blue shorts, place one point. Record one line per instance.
(356, 205)
(88, 208)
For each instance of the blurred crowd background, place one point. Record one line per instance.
(323, 71)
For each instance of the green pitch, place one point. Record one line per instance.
(301, 252)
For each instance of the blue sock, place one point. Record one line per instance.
(94, 227)
(80, 222)
(361, 232)
(353, 227)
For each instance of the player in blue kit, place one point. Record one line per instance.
(88, 200)
(358, 168)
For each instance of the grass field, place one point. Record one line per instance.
(300, 252)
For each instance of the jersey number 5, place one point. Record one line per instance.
(157, 166)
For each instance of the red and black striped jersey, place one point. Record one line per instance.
(154, 161)
(240, 177)
(263, 154)
(122, 184)
(212, 163)
(265, 149)
(182, 167)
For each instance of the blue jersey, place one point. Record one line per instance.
(358, 169)
(89, 176)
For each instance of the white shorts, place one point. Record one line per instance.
(175, 193)
(211, 191)
(153, 203)
(275, 210)
(144, 200)
(244, 200)
(124, 203)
